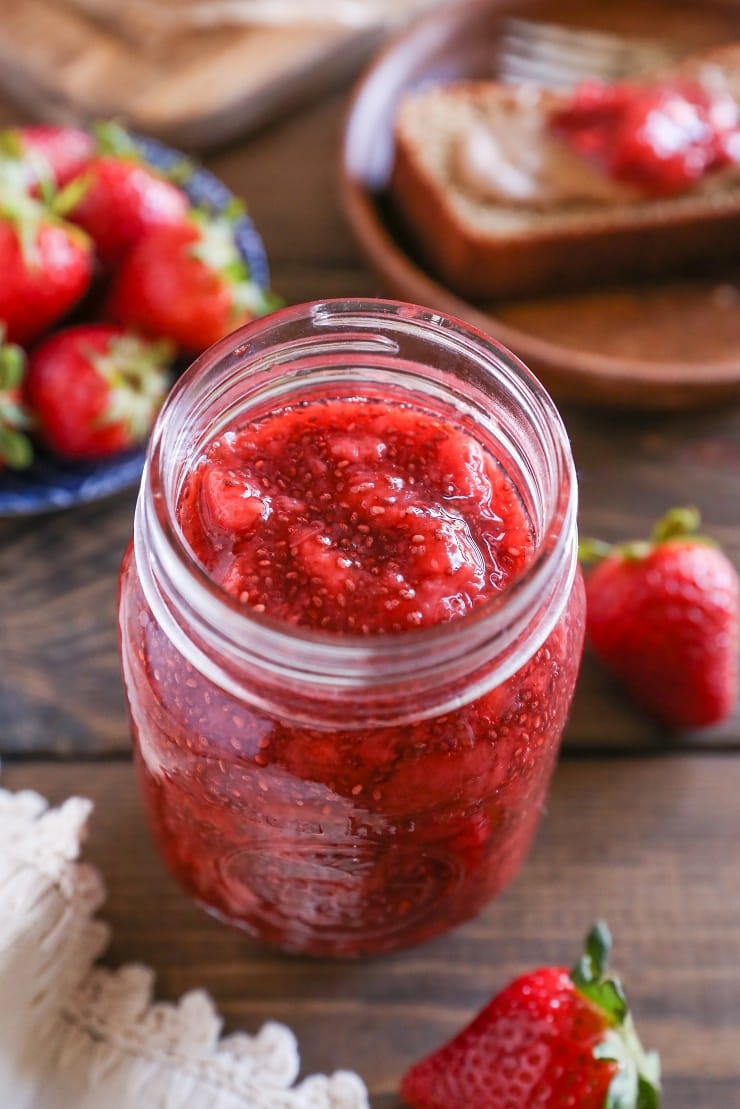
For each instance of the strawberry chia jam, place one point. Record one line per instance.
(661, 139)
(351, 621)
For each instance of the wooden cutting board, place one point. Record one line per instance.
(194, 90)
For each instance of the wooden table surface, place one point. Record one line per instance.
(642, 827)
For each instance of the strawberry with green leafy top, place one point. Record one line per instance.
(46, 267)
(44, 157)
(95, 389)
(662, 615)
(188, 283)
(552, 1039)
(15, 446)
(121, 197)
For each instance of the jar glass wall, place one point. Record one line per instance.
(337, 793)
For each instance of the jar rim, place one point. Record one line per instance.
(340, 657)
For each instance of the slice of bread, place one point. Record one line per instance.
(484, 247)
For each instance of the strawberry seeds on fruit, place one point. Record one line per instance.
(552, 1039)
(96, 389)
(662, 615)
(188, 283)
(46, 266)
(123, 198)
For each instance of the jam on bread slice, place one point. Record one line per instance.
(511, 190)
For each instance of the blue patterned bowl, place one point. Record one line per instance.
(51, 483)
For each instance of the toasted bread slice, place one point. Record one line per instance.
(485, 247)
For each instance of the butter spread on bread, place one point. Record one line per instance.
(496, 207)
(513, 157)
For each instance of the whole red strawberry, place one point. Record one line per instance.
(663, 617)
(552, 1039)
(122, 202)
(95, 390)
(45, 267)
(123, 199)
(15, 446)
(188, 284)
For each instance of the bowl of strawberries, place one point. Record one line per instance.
(121, 261)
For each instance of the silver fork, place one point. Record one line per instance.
(555, 56)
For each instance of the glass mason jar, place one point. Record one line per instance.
(335, 794)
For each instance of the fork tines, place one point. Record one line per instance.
(559, 57)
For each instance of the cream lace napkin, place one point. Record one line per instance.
(75, 1036)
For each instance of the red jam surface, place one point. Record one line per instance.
(372, 519)
(354, 517)
(661, 139)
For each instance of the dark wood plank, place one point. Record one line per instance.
(60, 688)
(59, 682)
(646, 843)
(631, 468)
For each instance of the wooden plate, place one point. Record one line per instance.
(672, 344)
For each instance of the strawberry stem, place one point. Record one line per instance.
(589, 975)
(676, 523)
(112, 138)
(11, 145)
(591, 551)
(65, 200)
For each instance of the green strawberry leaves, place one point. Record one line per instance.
(12, 365)
(11, 144)
(137, 374)
(636, 1084)
(15, 447)
(20, 167)
(648, 1091)
(113, 139)
(29, 216)
(588, 976)
(216, 248)
(623, 1089)
(65, 200)
(678, 523)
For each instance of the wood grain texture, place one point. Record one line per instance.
(59, 682)
(645, 843)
